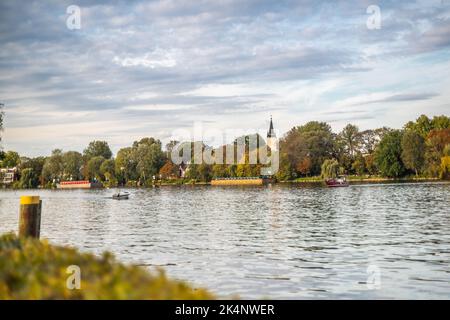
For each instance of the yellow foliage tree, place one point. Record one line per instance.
(445, 168)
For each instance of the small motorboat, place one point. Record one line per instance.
(337, 182)
(121, 196)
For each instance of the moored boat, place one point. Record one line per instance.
(337, 182)
(79, 184)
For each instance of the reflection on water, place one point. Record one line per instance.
(277, 241)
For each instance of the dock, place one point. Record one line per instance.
(254, 181)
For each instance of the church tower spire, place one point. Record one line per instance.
(272, 141)
(271, 132)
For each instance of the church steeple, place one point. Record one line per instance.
(272, 141)
(271, 132)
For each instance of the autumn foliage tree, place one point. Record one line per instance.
(444, 172)
(436, 142)
(314, 141)
(304, 166)
(413, 149)
(168, 170)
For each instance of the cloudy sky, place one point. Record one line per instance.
(145, 68)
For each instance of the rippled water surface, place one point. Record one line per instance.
(276, 241)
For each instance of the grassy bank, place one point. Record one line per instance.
(317, 179)
(33, 269)
(182, 182)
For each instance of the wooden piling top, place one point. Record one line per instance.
(29, 200)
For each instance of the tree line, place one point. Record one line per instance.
(137, 163)
(420, 149)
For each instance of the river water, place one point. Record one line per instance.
(368, 241)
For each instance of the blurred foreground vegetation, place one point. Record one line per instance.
(33, 269)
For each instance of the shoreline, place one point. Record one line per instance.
(365, 179)
(312, 180)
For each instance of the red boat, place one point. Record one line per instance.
(337, 182)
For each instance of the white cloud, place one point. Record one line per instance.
(140, 68)
(156, 59)
(156, 107)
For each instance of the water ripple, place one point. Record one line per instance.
(284, 241)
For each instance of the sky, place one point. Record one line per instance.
(136, 69)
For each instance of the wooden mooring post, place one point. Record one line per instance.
(30, 216)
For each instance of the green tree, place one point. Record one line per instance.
(369, 140)
(440, 122)
(329, 169)
(36, 165)
(149, 158)
(53, 166)
(413, 150)
(284, 171)
(388, 155)
(141, 162)
(192, 172)
(72, 162)
(359, 165)
(125, 166)
(422, 125)
(93, 168)
(107, 169)
(28, 179)
(351, 139)
(97, 149)
(11, 159)
(369, 163)
(169, 147)
(232, 170)
(220, 171)
(205, 172)
(243, 170)
(146, 141)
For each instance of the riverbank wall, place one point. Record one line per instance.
(254, 181)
